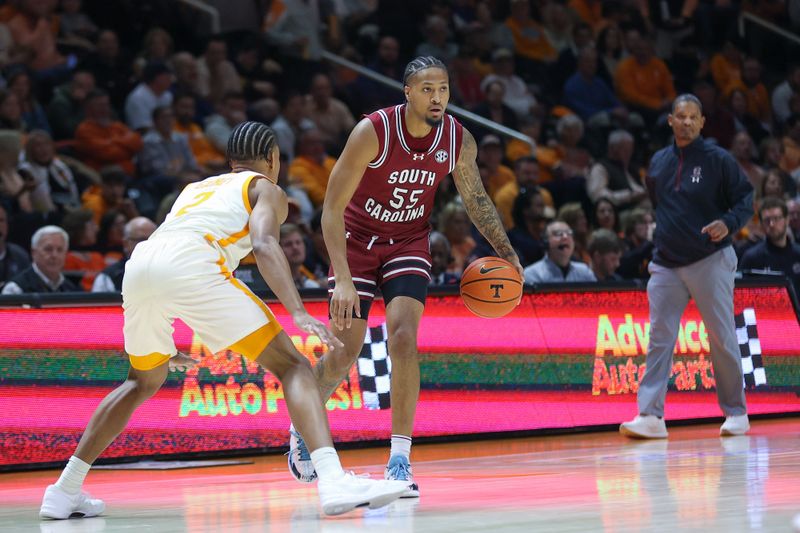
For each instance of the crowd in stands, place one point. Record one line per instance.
(104, 121)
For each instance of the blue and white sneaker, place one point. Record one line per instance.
(300, 464)
(399, 469)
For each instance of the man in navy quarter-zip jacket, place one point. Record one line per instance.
(701, 199)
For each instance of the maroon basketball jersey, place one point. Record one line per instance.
(395, 197)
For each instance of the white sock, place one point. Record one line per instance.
(326, 463)
(72, 477)
(401, 445)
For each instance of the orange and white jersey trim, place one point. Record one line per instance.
(216, 209)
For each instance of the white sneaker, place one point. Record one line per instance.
(59, 505)
(300, 465)
(796, 523)
(644, 427)
(345, 494)
(735, 425)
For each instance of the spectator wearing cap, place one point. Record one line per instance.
(49, 247)
(517, 95)
(490, 153)
(101, 141)
(605, 249)
(152, 92)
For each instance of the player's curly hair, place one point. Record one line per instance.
(421, 63)
(251, 141)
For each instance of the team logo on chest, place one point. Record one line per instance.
(418, 156)
(440, 156)
(697, 173)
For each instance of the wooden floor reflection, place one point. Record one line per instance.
(695, 481)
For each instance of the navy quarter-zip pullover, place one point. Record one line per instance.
(691, 187)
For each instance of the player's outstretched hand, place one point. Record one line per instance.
(181, 362)
(344, 304)
(310, 324)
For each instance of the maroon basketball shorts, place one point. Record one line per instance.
(396, 267)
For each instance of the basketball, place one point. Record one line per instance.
(491, 287)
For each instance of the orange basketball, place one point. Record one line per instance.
(491, 287)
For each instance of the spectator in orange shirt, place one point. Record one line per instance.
(533, 49)
(312, 167)
(83, 261)
(101, 141)
(204, 152)
(526, 170)
(726, 67)
(109, 195)
(758, 103)
(490, 153)
(35, 27)
(643, 81)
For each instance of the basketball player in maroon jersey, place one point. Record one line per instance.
(375, 221)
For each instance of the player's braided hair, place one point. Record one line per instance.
(251, 141)
(421, 63)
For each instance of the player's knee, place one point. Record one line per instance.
(145, 387)
(403, 342)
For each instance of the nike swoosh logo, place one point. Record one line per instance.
(485, 270)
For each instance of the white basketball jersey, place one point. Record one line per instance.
(217, 209)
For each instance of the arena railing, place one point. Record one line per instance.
(452, 108)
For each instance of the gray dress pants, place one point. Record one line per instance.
(710, 283)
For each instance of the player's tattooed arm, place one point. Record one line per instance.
(479, 206)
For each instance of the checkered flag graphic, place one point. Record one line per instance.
(375, 369)
(750, 348)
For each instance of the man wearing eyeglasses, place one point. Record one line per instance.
(776, 253)
(136, 230)
(557, 265)
(701, 198)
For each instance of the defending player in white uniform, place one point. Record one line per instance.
(184, 271)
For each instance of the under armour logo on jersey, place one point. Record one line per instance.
(418, 156)
(697, 173)
(441, 156)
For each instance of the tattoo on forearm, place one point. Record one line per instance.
(477, 203)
